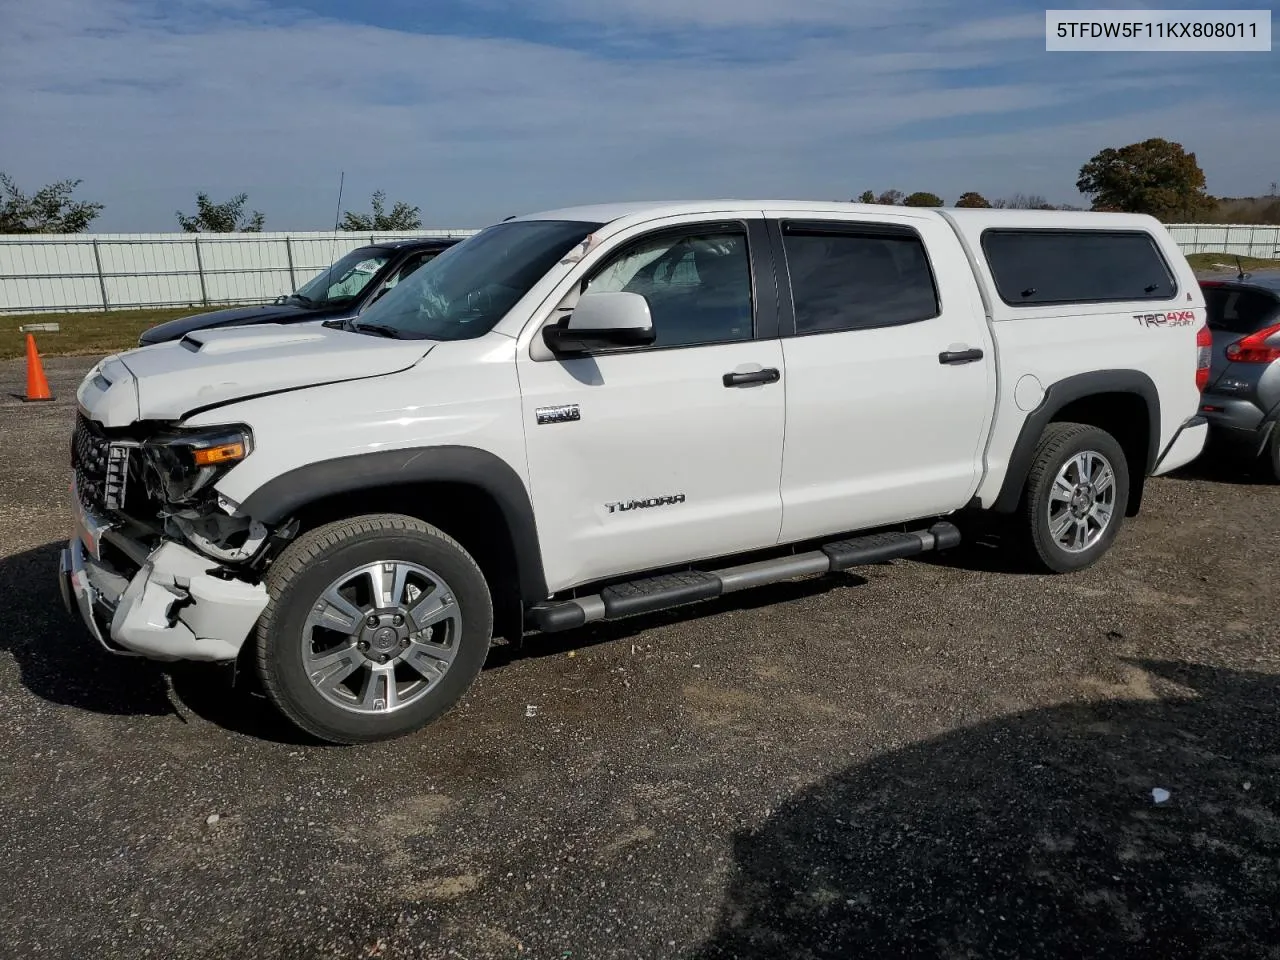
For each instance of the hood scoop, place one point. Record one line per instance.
(235, 339)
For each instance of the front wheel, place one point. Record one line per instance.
(375, 626)
(1075, 496)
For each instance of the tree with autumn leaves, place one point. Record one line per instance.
(1156, 177)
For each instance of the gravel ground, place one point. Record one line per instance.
(945, 759)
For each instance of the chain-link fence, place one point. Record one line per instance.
(43, 273)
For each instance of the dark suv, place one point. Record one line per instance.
(342, 292)
(1242, 400)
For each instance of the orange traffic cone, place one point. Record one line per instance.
(37, 383)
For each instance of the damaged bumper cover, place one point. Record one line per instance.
(175, 607)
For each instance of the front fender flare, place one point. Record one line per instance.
(284, 495)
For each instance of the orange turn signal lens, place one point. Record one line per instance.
(224, 453)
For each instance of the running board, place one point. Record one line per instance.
(676, 589)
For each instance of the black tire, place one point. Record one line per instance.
(305, 569)
(1059, 443)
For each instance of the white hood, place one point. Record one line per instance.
(207, 367)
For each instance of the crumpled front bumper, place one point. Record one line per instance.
(172, 608)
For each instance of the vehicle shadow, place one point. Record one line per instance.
(1225, 467)
(534, 645)
(988, 544)
(59, 662)
(1036, 835)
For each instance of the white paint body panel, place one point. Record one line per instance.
(1186, 447)
(464, 393)
(109, 393)
(1052, 343)
(878, 430)
(863, 428)
(225, 364)
(653, 424)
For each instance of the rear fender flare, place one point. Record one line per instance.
(1057, 396)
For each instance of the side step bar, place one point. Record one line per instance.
(675, 589)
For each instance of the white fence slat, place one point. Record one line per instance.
(42, 273)
(1242, 239)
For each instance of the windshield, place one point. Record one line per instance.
(345, 279)
(466, 290)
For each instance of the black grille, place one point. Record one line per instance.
(101, 467)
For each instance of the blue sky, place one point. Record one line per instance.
(477, 109)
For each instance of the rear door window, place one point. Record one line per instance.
(857, 277)
(1039, 267)
(1232, 310)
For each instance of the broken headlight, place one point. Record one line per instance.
(181, 464)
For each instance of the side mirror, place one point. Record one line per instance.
(601, 321)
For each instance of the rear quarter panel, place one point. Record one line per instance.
(1037, 347)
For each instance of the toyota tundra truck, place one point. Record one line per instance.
(602, 411)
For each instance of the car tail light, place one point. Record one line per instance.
(1254, 348)
(1204, 356)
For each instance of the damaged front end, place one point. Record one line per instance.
(159, 565)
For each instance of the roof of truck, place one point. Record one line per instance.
(968, 216)
(608, 212)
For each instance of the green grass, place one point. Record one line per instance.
(1206, 261)
(83, 333)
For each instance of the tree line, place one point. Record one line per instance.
(52, 210)
(1155, 176)
(1018, 201)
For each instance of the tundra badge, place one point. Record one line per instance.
(561, 414)
(624, 505)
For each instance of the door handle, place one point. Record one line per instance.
(960, 356)
(767, 375)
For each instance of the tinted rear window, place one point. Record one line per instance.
(846, 278)
(1239, 311)
(1076, 266)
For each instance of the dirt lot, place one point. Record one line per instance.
(930, 759)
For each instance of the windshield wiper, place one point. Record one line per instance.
(381, 329)
(302, 299)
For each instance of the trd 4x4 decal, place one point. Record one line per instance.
(1174, 318)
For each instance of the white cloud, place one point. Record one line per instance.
(1023, 26)
(151, 102)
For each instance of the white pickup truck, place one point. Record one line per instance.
(601, 411)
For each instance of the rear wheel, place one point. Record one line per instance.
(1075, 496)
(375, 626)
